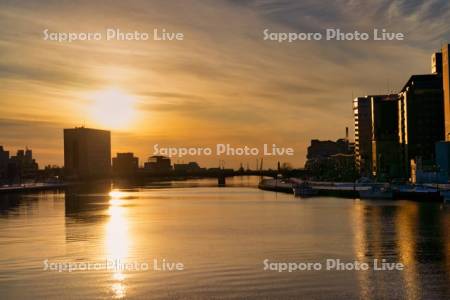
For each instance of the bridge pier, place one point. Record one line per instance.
(221, 180)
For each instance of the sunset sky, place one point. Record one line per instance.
(222, 84)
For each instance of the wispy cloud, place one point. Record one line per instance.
(223, 83)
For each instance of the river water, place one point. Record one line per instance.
(193, 240)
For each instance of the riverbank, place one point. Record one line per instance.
(415, 192)
(31, 187)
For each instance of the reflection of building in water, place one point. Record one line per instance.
(430, 251)
(408, 232)
(85, 204)
(95, 214)
(9, 203)
(411, 233)
(81, 200)
(406, 220)
(374, 238)
(446, 234)
(421, 249)
(359, 242)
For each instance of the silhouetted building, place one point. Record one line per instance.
(53, 173)
(125, 164)
(362, 114)
(443, 161)
(404, 128)
(386, 151)
(421, 122)
(4, 160)
(336, 167)
(446, 88)
(436, 63)
(328, 160)
(323, 149)
(87, 153)
(158, 164)
(22, 166)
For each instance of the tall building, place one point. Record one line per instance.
(446, 88)
(386, 154)
(436, 63)
(87, 153)
(421, 121)
(4, 160)
(363, 135)
(125, 164)
(404, 128)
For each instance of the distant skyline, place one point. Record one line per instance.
(222, 84)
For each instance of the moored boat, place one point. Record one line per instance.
(377, 192)
(419, 193)
(304, 190)
(276, 185)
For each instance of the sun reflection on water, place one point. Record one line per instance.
(117, 241)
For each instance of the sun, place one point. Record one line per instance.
(113, 108)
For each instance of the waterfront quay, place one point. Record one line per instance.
(31, 187)
(387, 191)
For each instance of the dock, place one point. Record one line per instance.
(422, 193)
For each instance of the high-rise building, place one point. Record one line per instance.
(87, 153)
(125, 164)
(421, 122)
(395, 131)
(363, 135)
(4, 160)
(436, 63)
(446, 88)
(386, 154)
